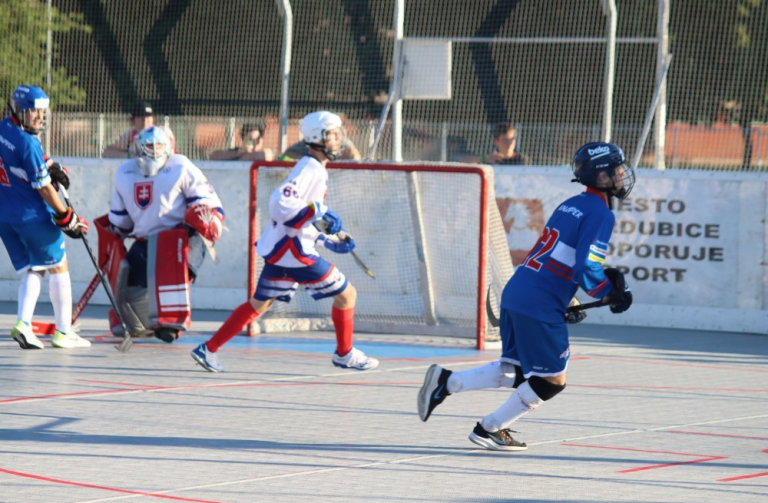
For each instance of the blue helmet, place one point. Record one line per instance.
(154, 150)
(599, 157)
(29, 98)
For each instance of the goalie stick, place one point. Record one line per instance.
(127, 342)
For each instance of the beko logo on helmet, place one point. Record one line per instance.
(598, 150)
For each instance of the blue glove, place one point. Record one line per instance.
(344, 246)
(333, 221)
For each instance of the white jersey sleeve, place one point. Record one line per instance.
(118, 212)
(289, 239)
(197, 189)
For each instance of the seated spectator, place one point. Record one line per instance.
(300, 149)
(141, 117)
(251, 147)
(504, 141)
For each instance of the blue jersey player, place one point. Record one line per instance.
(32, 218)
(569, 254)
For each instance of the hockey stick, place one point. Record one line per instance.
(49, 328)
(323, 227)
(584, 307)
(492, 319)
(124, 346)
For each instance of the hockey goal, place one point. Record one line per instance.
(431, 233)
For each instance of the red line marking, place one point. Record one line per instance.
(195, 386)
(119, 383)
(674, 364)
(678, 388)
(103, 488)
(693, 461)
(703, 457)
(742, 477)
(716, 434)
(60, 395)
(750, 476)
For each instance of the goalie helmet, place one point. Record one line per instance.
(595, 158)
(314, 128)
(29, 98)
(154, 148)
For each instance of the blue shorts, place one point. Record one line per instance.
(538, 347)
(322, 279)
(33, 245)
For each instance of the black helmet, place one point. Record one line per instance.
(596, 157)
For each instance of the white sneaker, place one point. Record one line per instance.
(206, 359)
(69, 340)
(23, 334)
(356, 360)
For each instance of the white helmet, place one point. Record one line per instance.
(315, 126)
(154, 148)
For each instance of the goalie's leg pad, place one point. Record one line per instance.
(132, 301)
(168, 279)
(496, 374)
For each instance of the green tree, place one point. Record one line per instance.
(24, 25)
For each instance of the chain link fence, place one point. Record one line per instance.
(210, 67)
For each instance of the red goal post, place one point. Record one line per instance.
(430, 232)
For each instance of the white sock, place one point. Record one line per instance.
(490, 375)
(521, 402)
(29, 291)
(60, 288)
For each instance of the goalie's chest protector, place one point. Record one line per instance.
(154, 203)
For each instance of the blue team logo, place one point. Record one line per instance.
(142, 194)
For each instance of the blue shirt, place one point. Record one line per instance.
(22, 172)
(569, 254)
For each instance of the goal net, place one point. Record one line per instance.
(431, 234)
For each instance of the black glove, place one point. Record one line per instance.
(620, 298)
(59, 175)
(572, 317)
(70, 224)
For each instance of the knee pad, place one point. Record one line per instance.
(510, 368)
(543, 388)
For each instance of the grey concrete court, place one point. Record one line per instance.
(649, 415)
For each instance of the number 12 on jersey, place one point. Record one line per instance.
(542, 247)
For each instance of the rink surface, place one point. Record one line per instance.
(649, 415)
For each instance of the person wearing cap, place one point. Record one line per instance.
(142, 116)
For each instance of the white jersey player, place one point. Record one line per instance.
(288, 248)
(155, 194)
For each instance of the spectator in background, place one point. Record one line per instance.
(141, 117)
(299, 149)
(504, 142)
(251, 147)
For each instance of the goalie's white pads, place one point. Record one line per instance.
(207, 221)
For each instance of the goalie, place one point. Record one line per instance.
(165, 202)
(288, 248)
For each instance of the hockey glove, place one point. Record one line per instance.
(207, 221)
(59, 175)
(621, 297)
(574, 316)
(345, 245)
(332, 222)
(70, 224)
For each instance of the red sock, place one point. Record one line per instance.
(240, 317)
(344, 322)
